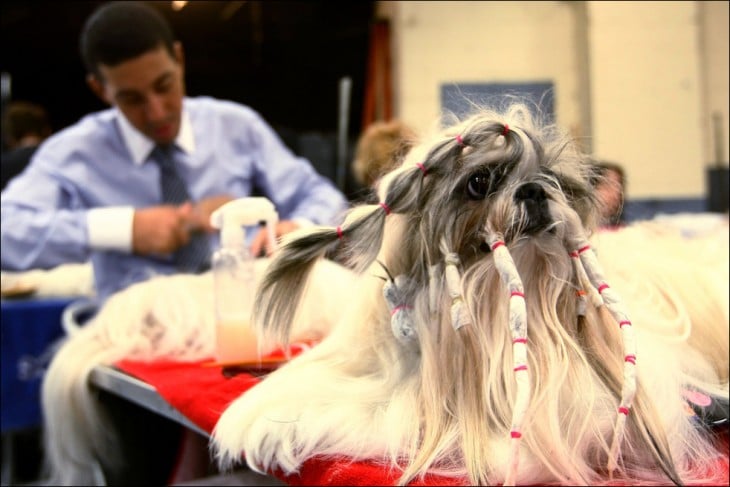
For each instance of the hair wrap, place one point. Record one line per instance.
(459, 316)
(433, 288)
(583, 284)
(518, 327)
(615, 306)
(401, 320)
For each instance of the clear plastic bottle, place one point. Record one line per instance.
(234, 278)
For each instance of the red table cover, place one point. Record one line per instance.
(201, 392)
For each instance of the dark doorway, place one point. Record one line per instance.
(283, 58)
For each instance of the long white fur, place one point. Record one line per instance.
(360, 395)
(167, 317)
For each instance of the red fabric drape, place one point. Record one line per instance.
(378, 102)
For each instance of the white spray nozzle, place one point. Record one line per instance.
(234, 215)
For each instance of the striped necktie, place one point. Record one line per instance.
(195, 256)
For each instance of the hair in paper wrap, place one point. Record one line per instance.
(493, 334)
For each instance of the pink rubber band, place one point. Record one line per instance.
(515, 434)
(623, 410)
(386, 208)
(398, 308)
(496, 244)
(422, 168)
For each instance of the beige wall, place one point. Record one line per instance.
(462, 42)
(641, 78)
(715, 63)
(645, 76)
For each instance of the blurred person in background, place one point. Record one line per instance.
(132, 187)
(380, 148)
(25, 126)
(101, 188)
(610, 184)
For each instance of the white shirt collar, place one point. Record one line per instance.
(140, 146)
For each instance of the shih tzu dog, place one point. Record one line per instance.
(488, 339)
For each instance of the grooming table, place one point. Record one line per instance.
(195, 394)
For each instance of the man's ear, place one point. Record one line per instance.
(97, 87)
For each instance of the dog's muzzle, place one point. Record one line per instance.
(535, 214)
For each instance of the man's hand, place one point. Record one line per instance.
(261, 239)
(203, 209)
(162, 229)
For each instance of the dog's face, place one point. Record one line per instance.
(484, 177)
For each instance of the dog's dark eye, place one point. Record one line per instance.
(478, 186)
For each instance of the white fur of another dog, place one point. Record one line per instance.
(166, 317)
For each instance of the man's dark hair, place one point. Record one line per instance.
(120, 31)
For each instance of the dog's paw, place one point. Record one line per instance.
(260, 428)
(310, 407)
(283, 420)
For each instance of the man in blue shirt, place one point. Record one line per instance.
(93, 191)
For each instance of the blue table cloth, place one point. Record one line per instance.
(31, 330)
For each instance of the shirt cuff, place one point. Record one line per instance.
(110, 228)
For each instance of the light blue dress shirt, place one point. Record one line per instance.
(75, 201)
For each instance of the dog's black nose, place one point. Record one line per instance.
(535, 212)
(530, 191)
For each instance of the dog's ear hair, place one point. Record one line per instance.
(355, 244)
(401, 191)
(574, 174)
(281, 289)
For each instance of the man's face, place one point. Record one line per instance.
(148, 90)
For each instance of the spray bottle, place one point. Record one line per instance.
(233, 276)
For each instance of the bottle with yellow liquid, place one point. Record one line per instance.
(234, 278)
